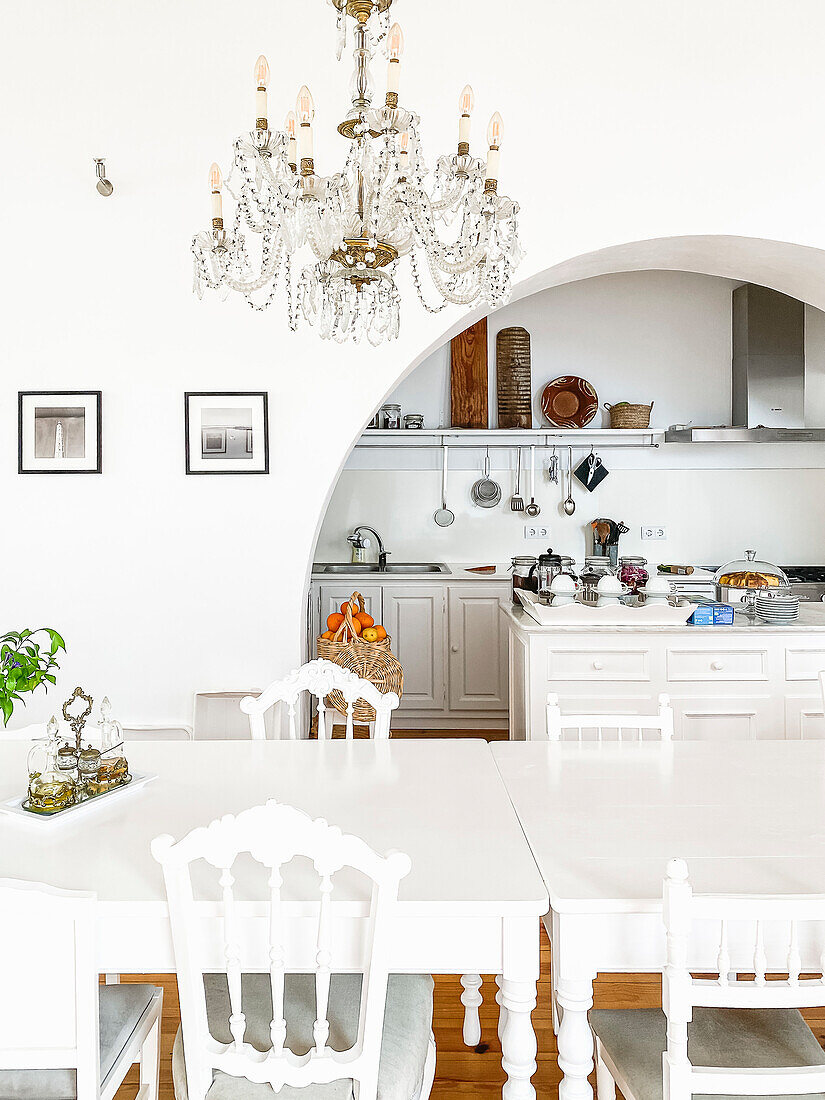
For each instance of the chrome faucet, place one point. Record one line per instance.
(382, 553)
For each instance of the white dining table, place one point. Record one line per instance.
(604, 819)
(471, 904)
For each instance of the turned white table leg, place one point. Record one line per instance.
(575, 1040)
(502, 1011)
(518, 1039)
(471, 999)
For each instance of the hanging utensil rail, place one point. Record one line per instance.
(505, 438)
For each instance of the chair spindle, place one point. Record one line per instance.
(323, 961)
(231, 950)
(277, 964)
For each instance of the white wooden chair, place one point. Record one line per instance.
(319, 678)
(162, 731)
(62, 1034)
(572, 727)
(216, 716)
(348, 1032)
(761, 1045)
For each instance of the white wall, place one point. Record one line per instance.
(624, 122)
(642, 336)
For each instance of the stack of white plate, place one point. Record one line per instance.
(777, 609)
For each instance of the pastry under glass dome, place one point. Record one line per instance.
(742, 579)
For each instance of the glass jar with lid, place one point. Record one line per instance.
(740, 580)
(391, 416)
(632, 571)
(595, 567)
(523, 567)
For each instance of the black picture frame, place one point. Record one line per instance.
(261, 395)
(97, 394)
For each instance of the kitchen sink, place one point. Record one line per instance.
(393, 567)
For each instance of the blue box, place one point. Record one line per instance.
(712, 614)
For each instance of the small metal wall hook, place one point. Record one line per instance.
(104, 187)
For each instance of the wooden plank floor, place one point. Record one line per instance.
(460, 1071)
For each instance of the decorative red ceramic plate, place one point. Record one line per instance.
(569, 402)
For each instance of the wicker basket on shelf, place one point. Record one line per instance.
(626, 415)
(371, 661)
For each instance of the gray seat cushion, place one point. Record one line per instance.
(408, 1019)
(729, 1038)
(121, 1007)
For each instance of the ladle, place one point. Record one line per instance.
(443, 516)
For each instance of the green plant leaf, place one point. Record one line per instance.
(7, 708)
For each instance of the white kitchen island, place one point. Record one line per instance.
(738, 682)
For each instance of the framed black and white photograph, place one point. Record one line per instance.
(59, 432)
(227, 433)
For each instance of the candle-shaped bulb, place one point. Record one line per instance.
(494, 131)
(305, 109)
(215, 183)
(291, 128)
(395, 43)
(304, 106)
(261, 82)
(467, 100)
(395, 47)
(466, 103)
(404, 154)
(262, 72)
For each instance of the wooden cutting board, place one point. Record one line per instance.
(468, 378)
(513, 378)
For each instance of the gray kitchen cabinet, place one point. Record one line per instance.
(477, 648)
(414, 619)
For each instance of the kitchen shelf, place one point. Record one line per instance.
(512, 437)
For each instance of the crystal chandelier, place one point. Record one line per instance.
(358, 224)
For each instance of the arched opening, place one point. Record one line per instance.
(692, 307)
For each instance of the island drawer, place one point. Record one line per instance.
(716, 664)
(624, 664)
(804, 664)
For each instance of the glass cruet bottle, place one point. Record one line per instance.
(114, 768)
(50, 789)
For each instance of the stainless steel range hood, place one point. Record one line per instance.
(768, 377)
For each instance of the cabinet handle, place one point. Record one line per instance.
(453, 649)
(717, 666)
(598, 665)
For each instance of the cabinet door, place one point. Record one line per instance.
(477, 638)
(735, 718)
(414, 619)
(333, 595)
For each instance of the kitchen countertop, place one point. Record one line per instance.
(458, 572)
(811, 621)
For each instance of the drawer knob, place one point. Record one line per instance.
(598, 665)
(454, 649)
(717, 666)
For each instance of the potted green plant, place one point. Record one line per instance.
(25, 664)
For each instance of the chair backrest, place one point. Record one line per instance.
(319, 678)
(603, 727)
(165, 731)
(273, 836)
(48, 991)
(217, 717)
(780, 936)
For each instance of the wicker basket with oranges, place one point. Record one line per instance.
(355, 641)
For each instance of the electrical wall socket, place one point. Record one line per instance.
(654, 532)
(531, 532)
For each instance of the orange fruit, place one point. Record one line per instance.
(334, 621)
(364, 619)
(381, 633)
(369, 634)
(356, 626)
(351, 605)
(328, 634)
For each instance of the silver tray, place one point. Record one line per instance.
(14, 806)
